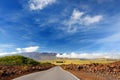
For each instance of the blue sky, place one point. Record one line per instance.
(60, 26)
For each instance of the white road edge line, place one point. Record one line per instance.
(70, 74)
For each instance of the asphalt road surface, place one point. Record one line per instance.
(55, 73)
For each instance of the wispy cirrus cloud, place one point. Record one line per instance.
(104, 1)
(40, 4)
(111, 42)
(28, 49)
(3, 47)
(79, 18)
(19, 50)
(115, 38)
(3, 32)
(91, 20)
(6, 53)
(7, 45)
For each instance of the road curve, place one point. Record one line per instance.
(55, 73)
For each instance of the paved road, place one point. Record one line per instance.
(55, 73)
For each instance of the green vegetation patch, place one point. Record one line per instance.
(59, 61)
(17, 60)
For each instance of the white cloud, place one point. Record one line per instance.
(76, 14)
(6, 53)
(28, 49)
(90, 55)
(20, 50)
(31, 49)
(79, 18)
(40, 4)
(90, 20)
(82, 19)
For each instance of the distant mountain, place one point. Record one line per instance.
(40, 56)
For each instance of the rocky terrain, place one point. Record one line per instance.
(95, 71)
(10, 72)
(15, 66)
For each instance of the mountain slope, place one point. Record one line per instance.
(40, 56)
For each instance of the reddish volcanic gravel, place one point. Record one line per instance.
(95, 71)
(10, 72)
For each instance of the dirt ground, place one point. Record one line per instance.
(10, 72)
(95, 71)
(91, 76)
